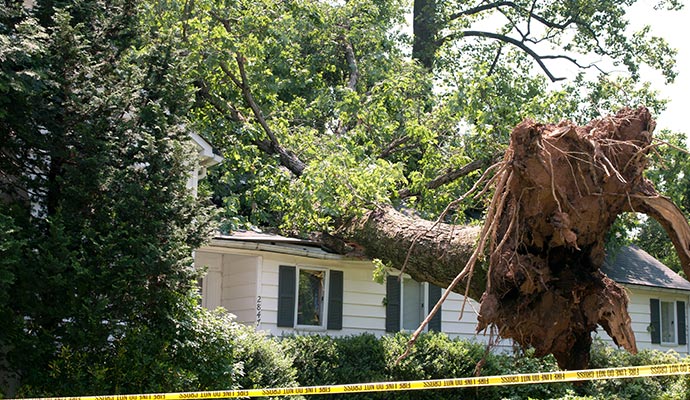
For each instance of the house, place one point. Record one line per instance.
(206, 158)
(291, 286)
(659, 299)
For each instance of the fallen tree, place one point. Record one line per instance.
(322, 117)
(558, 190)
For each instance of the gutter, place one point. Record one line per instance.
(684, 292)
(273, 248)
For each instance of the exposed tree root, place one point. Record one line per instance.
(566, 186)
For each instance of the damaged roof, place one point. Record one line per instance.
(629, 265)
(261, 237)
(256, 240)
(634, 266)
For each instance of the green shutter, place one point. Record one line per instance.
(434, 297)
(335, 300)
(680, 309)
(392, 304)
(655, 320)
(287, 280)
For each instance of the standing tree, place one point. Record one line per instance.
(97, 226)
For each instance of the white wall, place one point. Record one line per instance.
(239, 287)
(363, 309)
(250, 291)
(231, 282)
(211, 283)
(363, 300)
(638, 308)
(466, 326)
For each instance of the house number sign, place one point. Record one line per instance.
(258, 310)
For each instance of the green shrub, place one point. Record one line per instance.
(366, 359)
(434, 356)
(666, 387)
(315, 359)
(323, 360)
(521, 363)
(201, 350)
(209, 351)
(264, 364)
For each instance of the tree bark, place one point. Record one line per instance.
(425, 30)
(427, 251)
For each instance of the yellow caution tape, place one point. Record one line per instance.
(518, 379)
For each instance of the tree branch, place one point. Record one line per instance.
(392, 146)
(510, 40)
(225, 109)
(243, 85)
(575, 62)
(287, 158)
(449, 176)
(531, 15)
(499, 4)
(351, 62)
(495, 62)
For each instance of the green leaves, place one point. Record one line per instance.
(338, 187)
(330, 85)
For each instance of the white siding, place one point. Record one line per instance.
(240, 286)
(638, 308)
(464, 327)
(230, 282)
(363, 309)
(363, 302)
(250, 280)
(245, 282)
(212, 282)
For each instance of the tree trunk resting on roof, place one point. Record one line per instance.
(558, 190)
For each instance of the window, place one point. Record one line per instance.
(412, 304)
(408, 302)
(668, 323)
(310, 297)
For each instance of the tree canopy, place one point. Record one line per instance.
(322, 113)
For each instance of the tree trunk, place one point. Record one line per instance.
(435, 253)
(425, 30)
(560, 188)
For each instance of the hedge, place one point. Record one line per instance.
(324, 360)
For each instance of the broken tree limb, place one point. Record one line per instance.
(669, 216)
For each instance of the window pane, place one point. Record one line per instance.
(310, 301)
(668, 326)
(412, 304)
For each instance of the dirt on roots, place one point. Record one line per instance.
(558, 191)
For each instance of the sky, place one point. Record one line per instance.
(674, 26)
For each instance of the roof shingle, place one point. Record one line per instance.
(635, 266)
